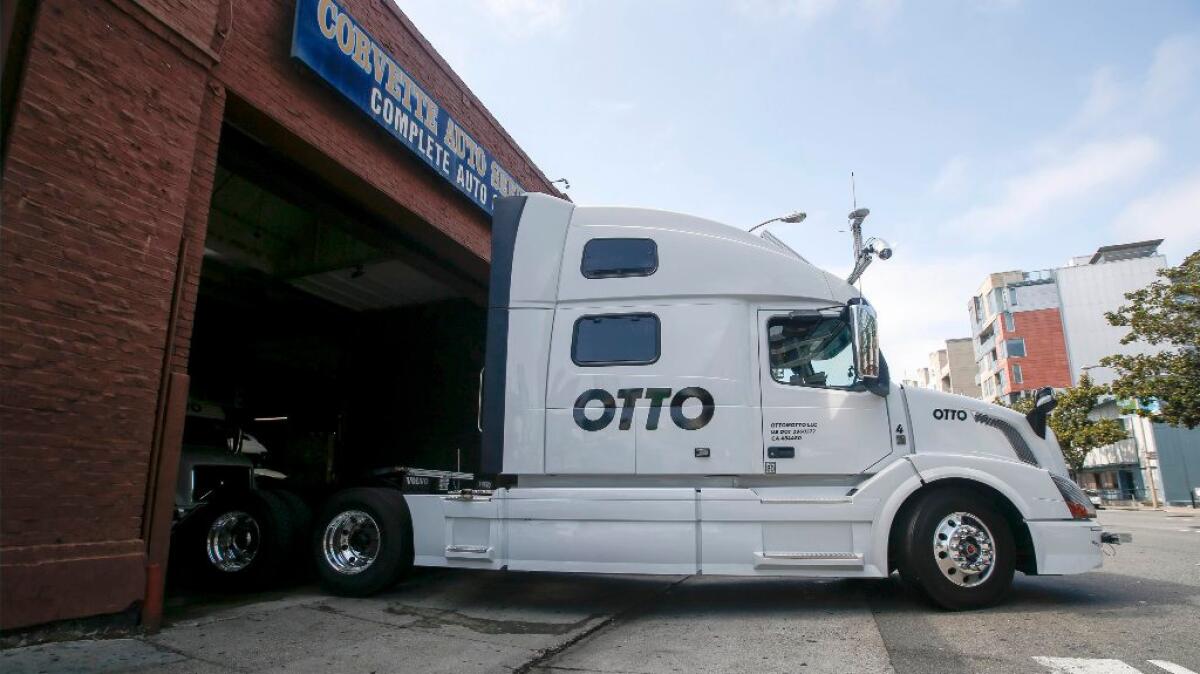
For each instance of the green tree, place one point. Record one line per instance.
(1165, 313)
(1077, 433)
(1022, 405)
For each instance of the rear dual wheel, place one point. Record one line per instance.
(362, 541)
(958, 549)
(247, 540)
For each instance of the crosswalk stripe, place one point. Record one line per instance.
(1171, 667)
(1104, 666)
(1086, 666)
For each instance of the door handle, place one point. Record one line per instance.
(779, 452)
(479, 403)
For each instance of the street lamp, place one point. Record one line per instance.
(791, 219)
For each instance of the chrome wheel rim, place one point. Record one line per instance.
(964, 549)
(233, 541)
(351, 542)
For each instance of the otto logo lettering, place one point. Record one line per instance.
(947, 414)
(629, 398)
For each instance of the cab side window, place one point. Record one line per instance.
(616, 258)
(615, 339)
(809, 351)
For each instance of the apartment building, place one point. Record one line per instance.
(1045, 328)
(952, 369)
(1019, 342)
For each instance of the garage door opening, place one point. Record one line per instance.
(325, 347)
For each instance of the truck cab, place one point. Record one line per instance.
(668, 394)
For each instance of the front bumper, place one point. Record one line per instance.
(1066, 546)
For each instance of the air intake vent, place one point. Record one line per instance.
(1013, 436)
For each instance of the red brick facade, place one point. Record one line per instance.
(107, 178)
(1045, 359)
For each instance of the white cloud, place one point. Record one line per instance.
(996, 5)
(805, 10)
(1029, 197)
(524, 18)
(877, 13)
(1172, 73)
(922, 302)
(1172, 213)
(951, 178)
(1114, 101)
(880, 12)
(1105, 94)
(611, 108)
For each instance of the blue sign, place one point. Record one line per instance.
(328, 40)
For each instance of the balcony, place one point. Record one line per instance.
(988, 344)
(1124, 452)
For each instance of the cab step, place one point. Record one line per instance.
(793, 559)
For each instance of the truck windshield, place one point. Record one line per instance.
(809, 351)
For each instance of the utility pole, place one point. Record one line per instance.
(1137, 444)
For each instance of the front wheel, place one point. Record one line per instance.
(959, 550)
(362, 541)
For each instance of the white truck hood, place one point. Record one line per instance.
(954, 424)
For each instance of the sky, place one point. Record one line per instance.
(984, 135)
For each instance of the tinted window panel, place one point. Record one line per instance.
(609, 258)
(807, 352)
(616, 339)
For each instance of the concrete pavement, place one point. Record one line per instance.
(1140, 613)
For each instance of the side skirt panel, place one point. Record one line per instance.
(747, 532)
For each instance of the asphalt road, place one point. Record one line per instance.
(1141, 613)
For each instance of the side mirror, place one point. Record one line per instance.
(864, 329)
(1041, 411)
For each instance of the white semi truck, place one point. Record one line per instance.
(665, 394)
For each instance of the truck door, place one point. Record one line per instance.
(816, 418)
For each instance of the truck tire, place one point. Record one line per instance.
(363, 541)
(958, 550)
(243, 540)
(299, 526)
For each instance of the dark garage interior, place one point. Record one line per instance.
(336, 335)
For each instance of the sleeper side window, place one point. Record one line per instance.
(616, 258)
(809, 351)
(616, 339)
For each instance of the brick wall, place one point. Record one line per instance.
(95, 189)
(109, 168)
(1045, 362)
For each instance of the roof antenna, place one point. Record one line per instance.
(874, 246)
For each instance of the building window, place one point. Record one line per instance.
(1010, 322)
(616, 339)
(1018, 378)
(1015, 347)
(811, 352)
(1012, 297)
(613, 258)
